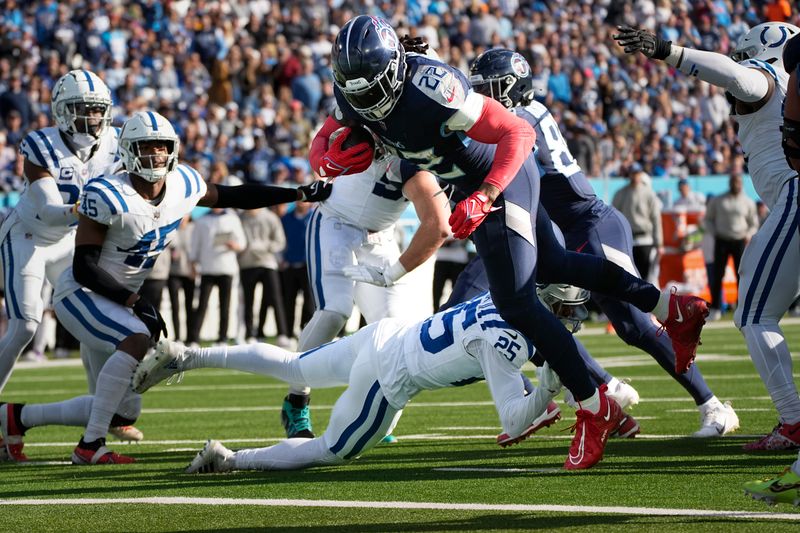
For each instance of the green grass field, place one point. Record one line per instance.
(446, 456)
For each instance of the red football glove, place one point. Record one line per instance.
(469, 214)
(338, 162)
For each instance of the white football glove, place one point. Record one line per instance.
(548, 380)
(380, 276)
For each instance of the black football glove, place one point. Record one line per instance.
(633, 40)
(147, 313)
(315, 192)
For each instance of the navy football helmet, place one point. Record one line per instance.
(503, 75)
(369, 66)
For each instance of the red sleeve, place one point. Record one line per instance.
(513, 136)
(320, 143)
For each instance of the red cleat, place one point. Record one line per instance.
(86, 454)
(627, 429)
(550, 416)
(12, 431)
(592, 432)
(687, 314)
(782, 437)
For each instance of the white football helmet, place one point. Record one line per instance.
(765, 42)
(146, 126)
(74, 94)
(566, 302)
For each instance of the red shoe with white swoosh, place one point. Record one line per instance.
(687, 314)
(592, 432)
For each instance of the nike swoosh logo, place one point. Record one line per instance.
(780, 487)
(154, 317)
(680, 315)
(607, 416)
(577, 459)
(511, 334)
(469, 212)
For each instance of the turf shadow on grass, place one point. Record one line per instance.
(521, 522)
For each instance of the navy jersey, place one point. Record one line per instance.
(565, 192)
(427, 125)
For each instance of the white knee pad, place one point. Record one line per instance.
(323, 327)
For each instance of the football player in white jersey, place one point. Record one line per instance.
(384, 365)
(785, 487)
(755, 82)
(353, 256)
(126, 220)
(39, 234)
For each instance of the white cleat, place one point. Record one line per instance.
(213, 458)
(716, 420)
(126, 433)
(163, 362)
(624, 394)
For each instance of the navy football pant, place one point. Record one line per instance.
(506, 241)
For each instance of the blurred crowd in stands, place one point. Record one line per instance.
(246, 83)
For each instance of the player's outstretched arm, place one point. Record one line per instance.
(251, 196)
(747, 84)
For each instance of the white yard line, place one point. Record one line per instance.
(361, 504)
(414, 437)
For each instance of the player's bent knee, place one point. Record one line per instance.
(22, 329)
(135, 345)
(520, 309)
(631, 335)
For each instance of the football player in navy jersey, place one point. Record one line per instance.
(589, 225)
(425, 112)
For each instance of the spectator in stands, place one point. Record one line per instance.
(294, 277)
(181, 279)
(307, 87)
(451, 259)
(688, 199)
(258, 264)
(732, 219)
(216, 240)
(762, 210)
(641, 207)
(15, 128)
(15, 101)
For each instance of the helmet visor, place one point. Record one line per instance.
(495, 88)
(90, 117)
(377, 99)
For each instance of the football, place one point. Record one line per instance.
(358, 134)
